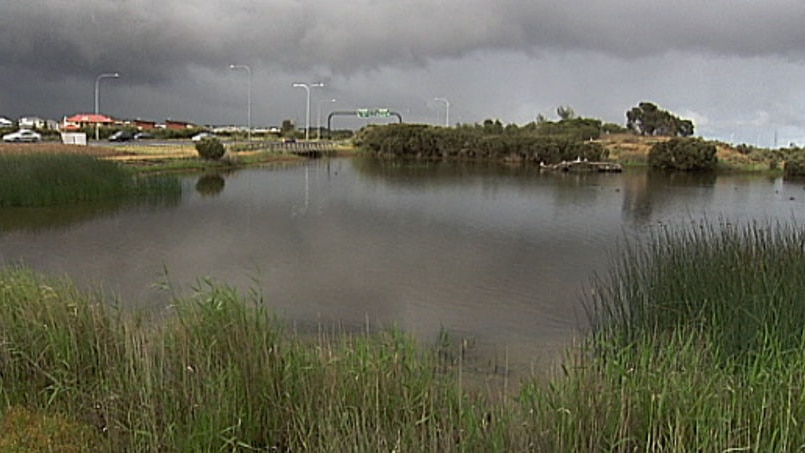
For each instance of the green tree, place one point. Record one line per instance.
(565, 112)
(648, 119)
(287, 128)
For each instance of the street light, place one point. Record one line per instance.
(112, 75)
(249, 98)
(318, 126)
(307, 88)
(446, 110)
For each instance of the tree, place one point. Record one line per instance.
(648, 119)
(565, 112)
(287, 128)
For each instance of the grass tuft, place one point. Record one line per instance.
(49, 179)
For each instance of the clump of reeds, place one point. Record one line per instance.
(48, 179)
(698, 346)
(221, 373)
(742, 288)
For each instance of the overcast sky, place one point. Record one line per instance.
(735, 67)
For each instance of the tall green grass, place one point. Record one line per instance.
(697, 345)
(48, 179)
(742, 287)
(222, 374)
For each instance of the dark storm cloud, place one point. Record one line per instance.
(154, 39)
(508, 58)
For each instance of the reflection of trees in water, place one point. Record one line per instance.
(210, 185)
(646, 191)
(412, 172)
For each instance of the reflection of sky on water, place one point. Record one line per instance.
(499, 254)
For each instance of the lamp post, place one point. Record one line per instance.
(307, 88)
(318, 122)
(111, 75)
(249, 97)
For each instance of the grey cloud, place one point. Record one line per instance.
(510, 58)
(155, 39)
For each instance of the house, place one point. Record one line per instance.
(178, 125)
(144, 125)
(31, 122)
(82, 120)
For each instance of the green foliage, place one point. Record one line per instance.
(685, 154)
(222, 374)
(648, 119)
(697, 345)
(795, 163)
(288, 128)
(741, 288)
(612, 128)
(49, 179)
(546, 142)
(572, 128)
(210, 148)
(565, 112)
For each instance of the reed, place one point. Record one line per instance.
(741, 286)
(222, 373)
(49, 179)
(697, 345)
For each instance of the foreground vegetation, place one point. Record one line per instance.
(220, 373)
(48, 179)
(697, 345)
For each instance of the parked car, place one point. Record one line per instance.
(201, 136)
(142, 136)
(22, 135)
(121, 136)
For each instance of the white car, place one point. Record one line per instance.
(201, 136)
(22, 135)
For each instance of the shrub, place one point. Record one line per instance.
(210, 149)
(683, 154)
(795, 165)
(488, 142)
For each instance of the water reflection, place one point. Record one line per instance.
(502, 254)
(54, 217)
(210, 184)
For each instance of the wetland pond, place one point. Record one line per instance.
(497, 255)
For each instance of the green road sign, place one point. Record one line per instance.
(368, 113)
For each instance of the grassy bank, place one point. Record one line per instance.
(697, 345)
(220, 373)
(48, 179)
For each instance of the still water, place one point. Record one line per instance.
(501, 256)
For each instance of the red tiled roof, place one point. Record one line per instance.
(89, 118)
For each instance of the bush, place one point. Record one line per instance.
(795, 165)
(487, 142)
(210, 149)
(683, 154)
